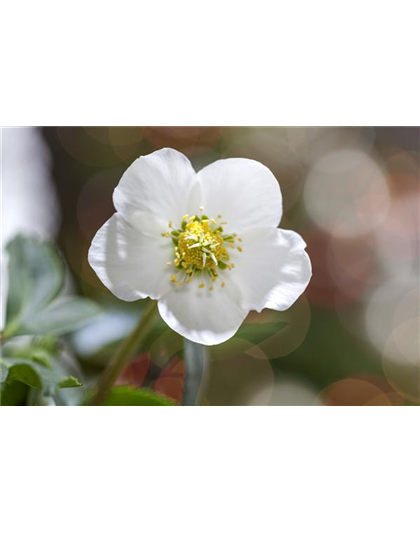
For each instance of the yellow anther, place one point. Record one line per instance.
(223, 283)
(200, 245)
(223, 223)
(239, 239)
(239, 248)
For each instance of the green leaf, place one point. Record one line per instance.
(36, 276)
(14, 393)
(69, 382)
(25, 373)
(60, 317)
(131, 396)
(4, 372)
(38, 376)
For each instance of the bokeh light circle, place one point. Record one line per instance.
(346, 193)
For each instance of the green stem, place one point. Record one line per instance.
(123, 355)
(196, 372)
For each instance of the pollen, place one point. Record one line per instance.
(200, 250)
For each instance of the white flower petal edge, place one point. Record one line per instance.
(156, 188)
(243, 191)
(274, 270)
(131, 265)
(202, 316)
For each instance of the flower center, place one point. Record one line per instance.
(201, 249)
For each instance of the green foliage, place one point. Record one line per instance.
(195, 358)
(131, 396)
(25, 373)
(60, 317)
(69, 382)
(37, 375)
(36, 277)
(30, 370)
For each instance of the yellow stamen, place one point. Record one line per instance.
(200, 245)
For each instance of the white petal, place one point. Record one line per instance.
(130, 264)
(157, 188)
(243, 191)
(203, 316)
(273, 270)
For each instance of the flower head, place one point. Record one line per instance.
(205, 245)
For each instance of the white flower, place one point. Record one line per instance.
(205, 245)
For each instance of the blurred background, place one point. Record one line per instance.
(352, 193)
